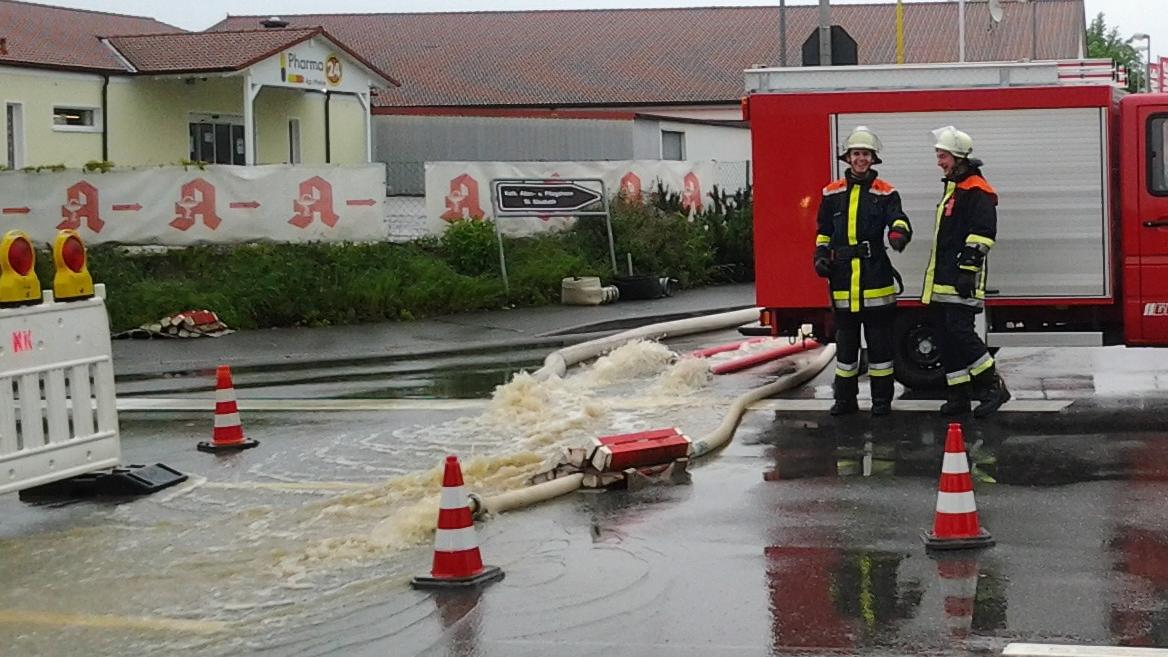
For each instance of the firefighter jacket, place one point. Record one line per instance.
(853, 216)
(966, 226)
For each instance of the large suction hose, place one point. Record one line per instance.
(558, 362)
(725, 431)
(556, 365)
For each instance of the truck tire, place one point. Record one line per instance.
(916, 356)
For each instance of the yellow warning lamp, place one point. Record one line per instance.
(72, 280)
(18, 280)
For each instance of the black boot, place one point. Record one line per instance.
(882, 392)
(956, 400)
(991, 391)
(844, 406)
(845, 390)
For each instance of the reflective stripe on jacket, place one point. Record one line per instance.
(852, 213)
(967, 218)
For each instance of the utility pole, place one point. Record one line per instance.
(961, 30)
(782, 32)
(899, 32)
(1033, 31)
(825, 32)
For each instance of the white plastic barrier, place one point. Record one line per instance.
(58, 414)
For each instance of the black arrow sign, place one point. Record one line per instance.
(543, 198)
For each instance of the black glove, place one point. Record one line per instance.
(966, 283)
(897, 240)
(823, 261)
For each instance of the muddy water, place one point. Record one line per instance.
(267, 546)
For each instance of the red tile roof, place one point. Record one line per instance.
(206, 51)
(228, 50)
(652, 56)
(55, 37)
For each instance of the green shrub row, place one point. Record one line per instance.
(271, 285)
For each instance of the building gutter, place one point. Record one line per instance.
(328, 131)
(105, 81)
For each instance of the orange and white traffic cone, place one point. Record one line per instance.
(457, 561)
(958, 577)
(227, 436)
(955, 524)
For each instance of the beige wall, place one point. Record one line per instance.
(38, 91)
(148, 119)
(347, 119)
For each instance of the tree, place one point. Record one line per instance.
(1105, 42)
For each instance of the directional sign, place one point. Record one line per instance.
(527, 197)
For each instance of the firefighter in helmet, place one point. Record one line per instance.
(955, 280)
(854, 215)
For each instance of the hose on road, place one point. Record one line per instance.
(556, 364)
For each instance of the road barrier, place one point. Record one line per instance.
(58, 415)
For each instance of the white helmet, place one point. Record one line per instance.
(953, 140)
(862, 137)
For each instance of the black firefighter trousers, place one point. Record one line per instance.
(963, 354)
(878, 331)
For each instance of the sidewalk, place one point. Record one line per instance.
(553, 326)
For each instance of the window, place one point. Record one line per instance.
(216, 139)
(293, 141)
(1158, 155)
(14, 135)
(69, 118)
(672, 145)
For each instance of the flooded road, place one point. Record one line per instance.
(803, 536)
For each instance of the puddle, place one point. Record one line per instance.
(913, 446)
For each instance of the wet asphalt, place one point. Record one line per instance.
(803, 536)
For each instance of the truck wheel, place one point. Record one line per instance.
(916, 355)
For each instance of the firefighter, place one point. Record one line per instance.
(955, 279)
(854, 214)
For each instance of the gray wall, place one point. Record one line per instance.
(405, 143)
(702, 141)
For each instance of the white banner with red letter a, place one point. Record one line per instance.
(462, 190)
(177, 206)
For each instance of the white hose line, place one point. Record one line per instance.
(558, 362)
(548, 490)
(517, 499)
(725, 431)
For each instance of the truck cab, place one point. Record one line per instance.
(1142, 175)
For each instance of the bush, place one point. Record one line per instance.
(470, 247)
(268, 285)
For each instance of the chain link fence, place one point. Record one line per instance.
(732, 176)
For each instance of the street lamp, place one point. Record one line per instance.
(1147, 39)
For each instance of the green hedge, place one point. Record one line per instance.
(268, 285)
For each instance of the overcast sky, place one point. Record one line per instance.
(1130, 15)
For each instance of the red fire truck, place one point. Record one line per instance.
(1080, 168)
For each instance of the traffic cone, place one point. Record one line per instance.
(955, 524)
(457, 562)
(958, 579)
(227, 436)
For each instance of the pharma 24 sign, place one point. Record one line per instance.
(300, 67)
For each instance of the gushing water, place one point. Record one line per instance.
(243, 550)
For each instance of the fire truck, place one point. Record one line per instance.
(1081, 257)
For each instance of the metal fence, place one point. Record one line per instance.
(405, 178)
(732, 176)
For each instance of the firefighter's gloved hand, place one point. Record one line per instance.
(823, 261)
(966, 283)
(897, 240)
